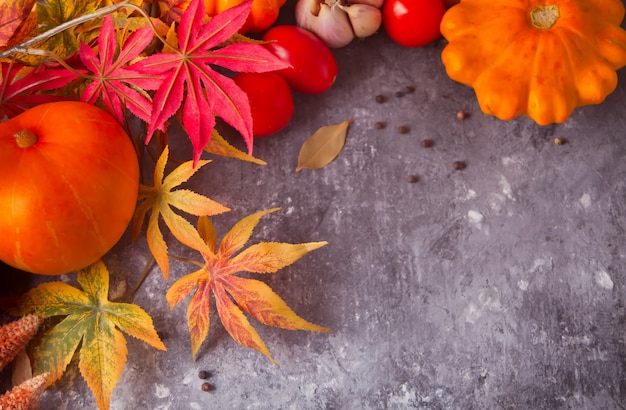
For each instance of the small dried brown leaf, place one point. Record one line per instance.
(321, 148)
(22, 369)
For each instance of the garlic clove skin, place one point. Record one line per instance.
(329, 22)
(333, 26)
(365, 19)
(374, 3)
(306, 13)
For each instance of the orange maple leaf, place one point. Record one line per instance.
(235, 295)
(159, 198)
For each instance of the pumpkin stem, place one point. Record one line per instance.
(544, 17)
(25, 138)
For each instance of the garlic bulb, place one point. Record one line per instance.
(365, 19)
(333, 26)
(337, 23)
(374, 3)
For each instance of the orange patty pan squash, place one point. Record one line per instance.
(70, 178)
(541, 58)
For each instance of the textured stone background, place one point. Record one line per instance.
(498, 286)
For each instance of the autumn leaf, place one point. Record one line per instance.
(236, 296)
(172, 10)
(321, 148)
(117, 84)
(190, 78)
(20, 87)
(52, 13)
(91, 321)
(14, 14)
(159, 200)
(219, 146)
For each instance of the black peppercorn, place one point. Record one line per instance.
(403, 129)
(458, 165)
(461, 115)
(203, 374)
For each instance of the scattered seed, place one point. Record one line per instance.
(409, 89)
(206, 387)
(203, 374)
(381, 99)
(458, 165)
(399, 94)
(427, 143)
(403, 129)
(559, 141)
(379, 125)
(412, 178)
(461, 115)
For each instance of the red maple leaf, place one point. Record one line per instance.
(114, 81)
(188, 75)
(19, 92)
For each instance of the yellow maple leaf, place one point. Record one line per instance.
(219, 146)
(235, 295)
(92, 321)
(159, 198)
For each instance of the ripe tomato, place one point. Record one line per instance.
(313, 66)
(70, 178)
(271, 102)
(413, 23)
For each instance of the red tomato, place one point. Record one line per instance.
(271, 102)
(313, 66)
(413, 23)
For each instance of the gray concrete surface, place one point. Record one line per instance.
(500, 286)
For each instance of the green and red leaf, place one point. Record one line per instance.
(91, 321)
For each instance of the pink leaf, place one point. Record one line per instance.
(191, 80)
(20, 92)
(116, 83)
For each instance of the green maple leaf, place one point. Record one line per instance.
(92, 319)
(53, 13)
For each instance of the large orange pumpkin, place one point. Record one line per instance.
(70, 179)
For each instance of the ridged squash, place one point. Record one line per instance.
(541, 58)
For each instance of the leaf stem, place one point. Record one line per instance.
(181, 259)
(144, 274)
(25, 47)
